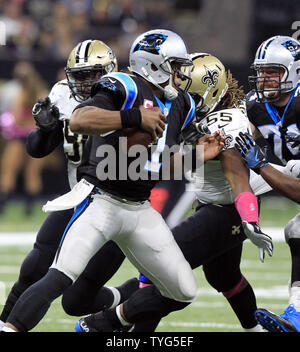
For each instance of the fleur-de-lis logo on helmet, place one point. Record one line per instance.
(210, 77)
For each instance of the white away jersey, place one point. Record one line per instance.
(214, 186)
(61, 96)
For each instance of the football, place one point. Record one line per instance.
(136, 135)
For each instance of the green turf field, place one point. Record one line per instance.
(209, 313)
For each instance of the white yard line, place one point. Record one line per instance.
(17, 238)
(28, 238)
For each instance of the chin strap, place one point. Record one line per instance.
(169, 91)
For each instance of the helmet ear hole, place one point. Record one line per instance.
(154, 68)
(215, 92)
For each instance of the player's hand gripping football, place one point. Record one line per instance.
(212, 144)
(46, 115)
(251, 152)
(261, 240)
(153, 121)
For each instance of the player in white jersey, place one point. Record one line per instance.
(87, 62)
(214, 234)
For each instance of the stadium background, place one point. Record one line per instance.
(39, 38)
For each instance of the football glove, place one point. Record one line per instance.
(294, 140)
(46, 115)
(254, 156)
(261, 240)
(292, 168)
(194, 131)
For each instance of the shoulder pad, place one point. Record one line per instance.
(59, 90)
(228, 121)
(118, 83)
(297, 92)
(251, 99)
(191, 108)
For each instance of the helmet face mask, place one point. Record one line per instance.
(181, 69)
(269, 83)
(87, 63)
(158, 56)
(277, 68)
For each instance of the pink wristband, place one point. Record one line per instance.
(142, 284)
(247, 206)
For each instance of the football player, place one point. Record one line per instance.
(87, 62)
(226, 215)
(118, 209)
(286, 181)
(273, 108)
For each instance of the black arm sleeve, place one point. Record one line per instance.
(39, 143)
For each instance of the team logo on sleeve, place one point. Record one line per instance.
(108, 83)
(151, 43)
(293, 47)
(211, 77)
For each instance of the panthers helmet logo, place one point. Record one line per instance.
(151, 43)
(293, 47)
(211, 77)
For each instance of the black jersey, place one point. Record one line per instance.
(278, 125)
(118, 91)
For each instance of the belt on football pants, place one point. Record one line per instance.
(98, 190)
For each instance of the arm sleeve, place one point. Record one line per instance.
(39, 144)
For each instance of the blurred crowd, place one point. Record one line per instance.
(41, 33)
(39, 37)
(49, 29)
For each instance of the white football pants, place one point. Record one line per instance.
(139, 231)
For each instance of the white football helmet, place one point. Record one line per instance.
(152, 54)
(279, 52)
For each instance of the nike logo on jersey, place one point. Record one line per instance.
(111, 80)
(292, 167)
(221, 126)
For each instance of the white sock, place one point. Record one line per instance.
(122, 320)
(295, 297)
(117, 296)
(256, 328)
(5, 328)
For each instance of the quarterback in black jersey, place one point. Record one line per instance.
(113, 92)
(109, 211)
(274, 108)
(206, 237)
